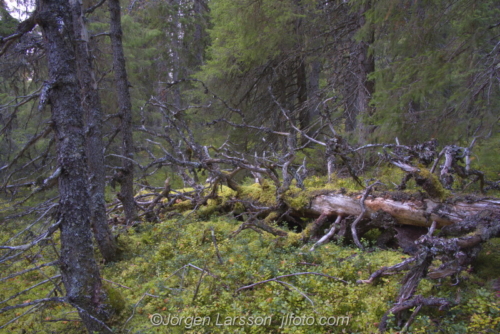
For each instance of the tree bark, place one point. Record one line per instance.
(304, 116)
(417, 212)
(126, 195)
(79, 270)
(359, 90)
(91, 104)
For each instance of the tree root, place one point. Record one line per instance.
(455, 253)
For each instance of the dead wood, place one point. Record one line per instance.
(455, 253)
(417, 212)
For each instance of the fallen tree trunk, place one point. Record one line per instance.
(417, 212)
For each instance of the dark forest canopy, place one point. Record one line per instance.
(235, 139)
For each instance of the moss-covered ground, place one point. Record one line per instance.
(171, 269)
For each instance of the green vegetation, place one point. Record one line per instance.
(171, 268)
(252, 110)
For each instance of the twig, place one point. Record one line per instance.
(34, 302)
(53, 263)
(94, 7)
(40, 238)
(411, 319)
(407, 304)
(120, 285)
(87, 313)
(362, 214)
(198, 286)
(30, 288)
(303, 294)
(214, 240)
(289, 275)
(192, 266)
(382, 271)
(327, 236)
(20, 316)
(432, 228)
(135, 307)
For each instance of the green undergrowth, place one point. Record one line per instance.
(159, 259)
(172, 269)
(156, 264)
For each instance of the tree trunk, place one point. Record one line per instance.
(126, 195)
(80, 273)
(417, 212)
(199, 7)
(91, 104)
(304, 116)
(359, 89)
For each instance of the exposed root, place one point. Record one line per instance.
(455, 253)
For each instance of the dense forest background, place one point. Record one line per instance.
(193, 158)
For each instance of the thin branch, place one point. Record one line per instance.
(20, 316)
(90, 10)
(30, 288)
(214, 240)
(53, 263)
(289, 275)
(135, 307)
(296, 289)
(362, 214)
(327, 236)
(23, 28)
(34, 302)
(120, 285)
(43, 237)
(382, 271)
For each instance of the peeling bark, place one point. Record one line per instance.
(410, 212)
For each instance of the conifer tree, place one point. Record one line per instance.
(80, 273)
(91, 104)
(435, 69)
(126, 177)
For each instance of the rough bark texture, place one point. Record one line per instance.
(417, 212)
(80, 273)
(126, 195)
(91, 104)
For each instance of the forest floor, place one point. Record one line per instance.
(191, 273)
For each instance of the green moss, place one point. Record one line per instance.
(265, 193)
(115, 299)
(183, 205)
(208, 209)
(159, 267)
(296, 198)
(431, 184)
(226, 194)
(271, 218)
(320, 183)
(487, 264)
(293, 239)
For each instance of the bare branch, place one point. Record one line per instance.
(362, 214)
(33, 302)
(30, 288)
(327, 236)
(289, 275)
(23, 28)
(90, 10)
